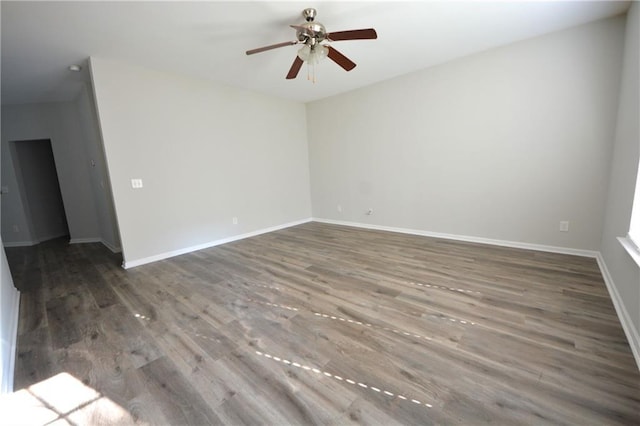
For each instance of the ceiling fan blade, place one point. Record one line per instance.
(273, 46)
(295, 68)
(340, 59)
(366, 34)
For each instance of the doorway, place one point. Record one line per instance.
(39, 189)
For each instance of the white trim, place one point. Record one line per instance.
(50, 237)
(627, 325)
(84, 240)
(466, 238)
(7, 376)
(631, 248)
(111, 247)
(19, 243)
(137, 262)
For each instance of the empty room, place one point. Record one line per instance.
(325, 213)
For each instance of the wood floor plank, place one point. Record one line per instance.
(324, 324)
(33, 358)
(77, 304)
(176, 398)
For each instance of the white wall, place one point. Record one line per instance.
(101, 188)
(9, 301)
(205, 152)
(58, 122)
(500, 145)
(624, 273)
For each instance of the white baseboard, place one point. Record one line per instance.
(138, 262)
(34, 242)
(51, 237)
(84, 240)
(625, 319)
(19, 243)
(111, 247)
(6, 386)
(465, 238)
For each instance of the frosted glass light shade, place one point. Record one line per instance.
(313, 55)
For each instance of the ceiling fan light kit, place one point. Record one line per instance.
(315, 38)
(313, 55)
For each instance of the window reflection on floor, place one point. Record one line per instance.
(61, 400)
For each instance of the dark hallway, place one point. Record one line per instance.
(40, 189)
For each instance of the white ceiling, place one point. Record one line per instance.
(208, 39)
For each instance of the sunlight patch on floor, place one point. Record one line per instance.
(61, 399)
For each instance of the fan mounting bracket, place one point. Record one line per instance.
(309, 14)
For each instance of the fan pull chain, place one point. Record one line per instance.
(311, 72)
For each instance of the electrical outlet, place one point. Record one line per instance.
(339, 208)
(369, 212)
(564, 226)
(234, 220)
(136, 183)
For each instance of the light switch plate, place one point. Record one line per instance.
(136, 183)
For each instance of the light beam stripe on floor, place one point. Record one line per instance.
(442, 287)
(350, 381)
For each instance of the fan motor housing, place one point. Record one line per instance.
(311, 31)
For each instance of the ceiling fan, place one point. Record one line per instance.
(314, 37)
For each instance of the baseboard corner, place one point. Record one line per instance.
(110, 246)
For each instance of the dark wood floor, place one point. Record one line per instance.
(329, 325)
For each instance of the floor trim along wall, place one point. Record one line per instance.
(627, 325)
(71, 241)
(31, 243)
(84, 240)
(468, 239)
(133, 263)
(111, 247)
(95, 240)
(19, 243)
